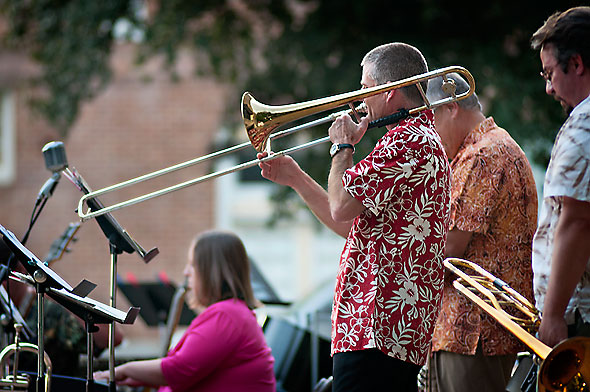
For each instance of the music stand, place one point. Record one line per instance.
(119, 241)
(43, 279)
(92, 312)
(154, 299)
(74, 299)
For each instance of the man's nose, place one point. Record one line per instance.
(549, 88)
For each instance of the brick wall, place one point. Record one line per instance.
(140, 123)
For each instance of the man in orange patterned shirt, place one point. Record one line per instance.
(493, 219)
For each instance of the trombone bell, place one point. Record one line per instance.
(566, 366)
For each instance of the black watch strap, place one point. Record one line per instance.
(336, 148)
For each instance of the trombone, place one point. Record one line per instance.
(12, 379)
(262, 120)
(563, 368)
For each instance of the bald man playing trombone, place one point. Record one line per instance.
(392, 207)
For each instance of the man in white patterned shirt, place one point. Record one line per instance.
(561, 247)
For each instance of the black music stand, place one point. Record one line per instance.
(262, 289)
(119, 241)
(47, 282)
(154, 299)
(43, 278)
(92, 312)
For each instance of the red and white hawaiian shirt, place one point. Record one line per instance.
(390, 276)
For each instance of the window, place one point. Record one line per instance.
(7, 138)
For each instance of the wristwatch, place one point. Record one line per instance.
(336, 148)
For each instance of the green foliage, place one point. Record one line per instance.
(321, 58)
(287, 51)
(72, 41)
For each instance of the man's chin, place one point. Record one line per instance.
(567, 109)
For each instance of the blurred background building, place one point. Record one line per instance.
(182, 102)
(143, 122)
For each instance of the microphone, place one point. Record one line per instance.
(55, 161)
(55, 156)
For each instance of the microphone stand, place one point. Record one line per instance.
(5, 269)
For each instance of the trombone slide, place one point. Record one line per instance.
(261, 120)
(537, 346)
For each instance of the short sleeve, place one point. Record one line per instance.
(203, 349)
(568, 173)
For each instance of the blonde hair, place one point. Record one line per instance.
(222, 267)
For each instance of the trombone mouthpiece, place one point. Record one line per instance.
(449, 87)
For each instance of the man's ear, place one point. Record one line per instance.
(391, 95)
(577, 64)
(453, 108)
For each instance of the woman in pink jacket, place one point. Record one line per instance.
(223, 349)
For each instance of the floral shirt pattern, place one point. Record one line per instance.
(493, 196)
(390, 274)
(568, 174)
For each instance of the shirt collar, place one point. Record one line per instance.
(579, 106)
(483, 127)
